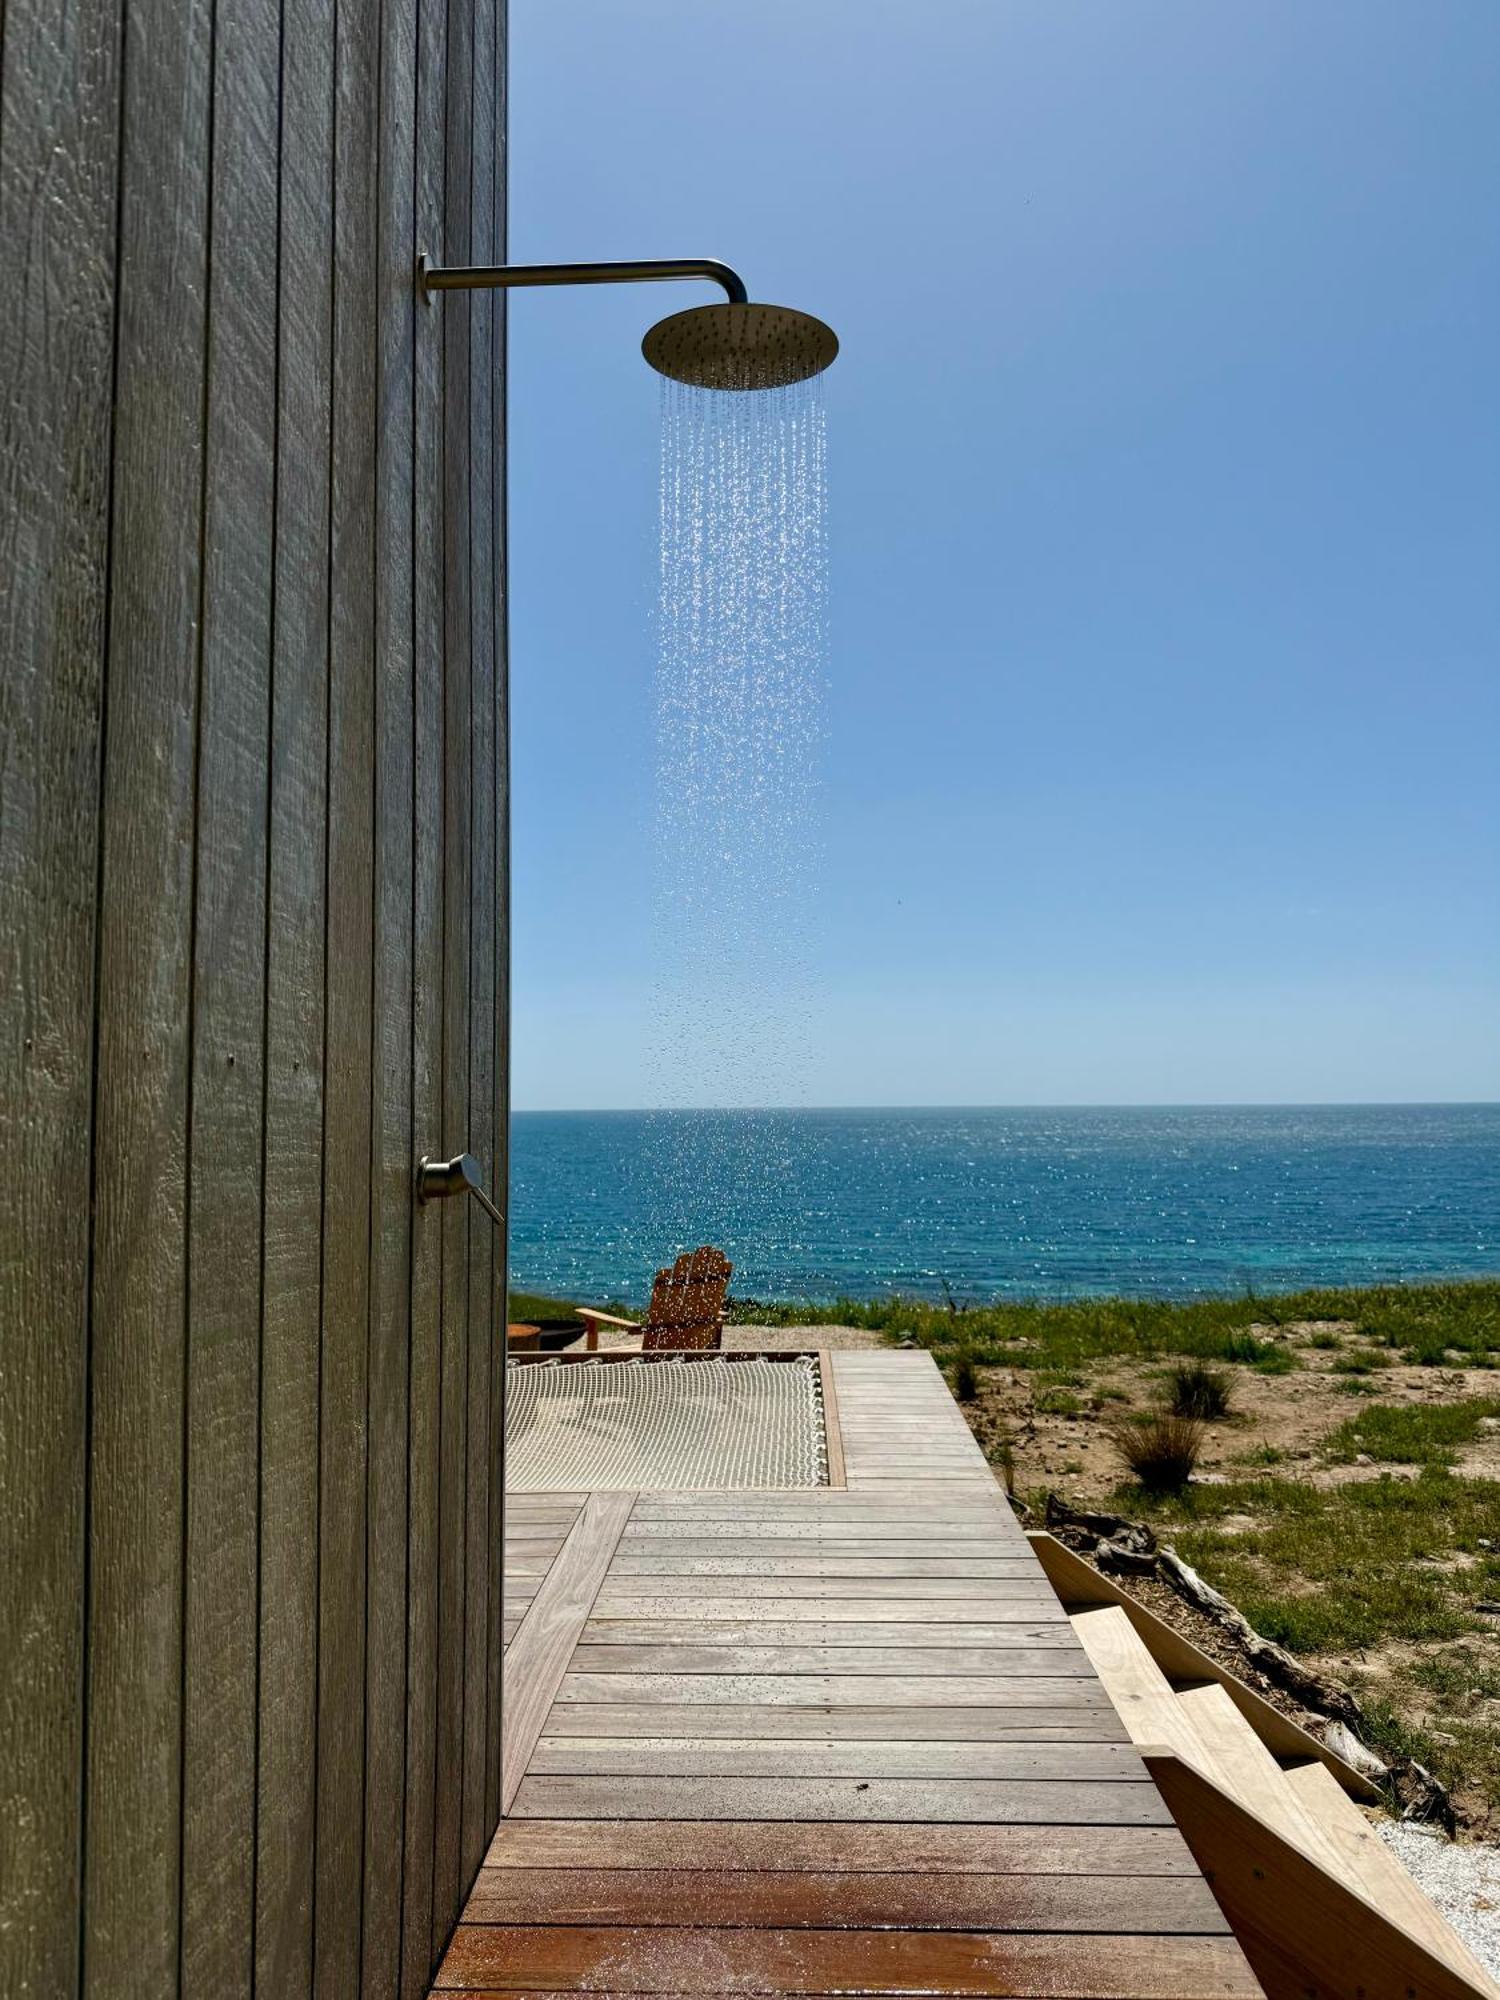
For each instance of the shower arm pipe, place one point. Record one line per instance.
(502, 277)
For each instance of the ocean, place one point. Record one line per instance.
(1007, 1204)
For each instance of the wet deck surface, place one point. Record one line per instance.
(821, 1742)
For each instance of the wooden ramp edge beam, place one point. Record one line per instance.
(1078, 1584)
(538, 1655)
(1303, 1931)
(831, 1430)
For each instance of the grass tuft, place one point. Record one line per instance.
(1196, 1390)
(1160, 1448)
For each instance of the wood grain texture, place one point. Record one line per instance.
(352, 1059)
(225, 1163)
(545, 1643)
(826, 1846)
(673, 1756)
(59, 145)
(137, 1503)
(949, 1724)
(1302, 1928)
(519, 1958)
(840, 1690)
(752, 1898)
(1133, 1802)
(477, 312)
(229, 844)
(427, 1318)
(393, 1138)
(295, 998)
(456, 1220)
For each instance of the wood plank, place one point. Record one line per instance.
(739, 1898)
(133, 1829)
(686, 1630)
(1080, 1585)
(228, 1026)
(768, 1757)
(347, 1182)
(457, 1216)
(539, 1654)
(884, 1724)
(1126, 1802)
(940, 1660)
(791, 1528)
(1369, 1867)
(392, 1199)
(839, 1690)
(59, 158)
(1301, 1926)
(832, 1428)
(907, 1557)
(520, 1958)
(476, 311)
(295, 998)
(830, 1847)
(429, 1344)
(817, 1610)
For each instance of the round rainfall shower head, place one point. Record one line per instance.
(740, 346)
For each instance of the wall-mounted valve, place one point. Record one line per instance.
(436, 1179)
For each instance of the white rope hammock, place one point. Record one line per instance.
(663, 1421)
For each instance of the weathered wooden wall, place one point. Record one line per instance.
(251, 943)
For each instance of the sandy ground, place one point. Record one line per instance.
(1464, 1883)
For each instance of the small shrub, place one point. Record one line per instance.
(966, 1378)
(1196, 1390)
(1159, 1447)
(1323, 1338)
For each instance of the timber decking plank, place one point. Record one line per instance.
(940, 1660)
(520, 1958)
(785, 1898)
(1120, 1802)
(881, 1724)
(810, 1607)
(855, 1690)
(929, 1632)
(826, 1846)
(544, 1643)
(769, 1757)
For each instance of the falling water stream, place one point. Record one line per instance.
(739, 690)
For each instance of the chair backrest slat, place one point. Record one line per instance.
(687, 1301)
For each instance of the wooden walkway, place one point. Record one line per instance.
(821, 1742)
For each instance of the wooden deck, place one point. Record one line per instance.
(821, 1742)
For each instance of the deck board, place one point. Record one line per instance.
(822, 1741)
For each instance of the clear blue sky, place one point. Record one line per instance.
(1163, 758)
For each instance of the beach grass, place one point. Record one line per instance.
(1430, 1325)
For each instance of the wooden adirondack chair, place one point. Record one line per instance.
(687, 1305)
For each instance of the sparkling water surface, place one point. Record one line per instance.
(1008, 1203)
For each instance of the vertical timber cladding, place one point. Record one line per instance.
(252, 927)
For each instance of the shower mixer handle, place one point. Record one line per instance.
(437, 1179)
